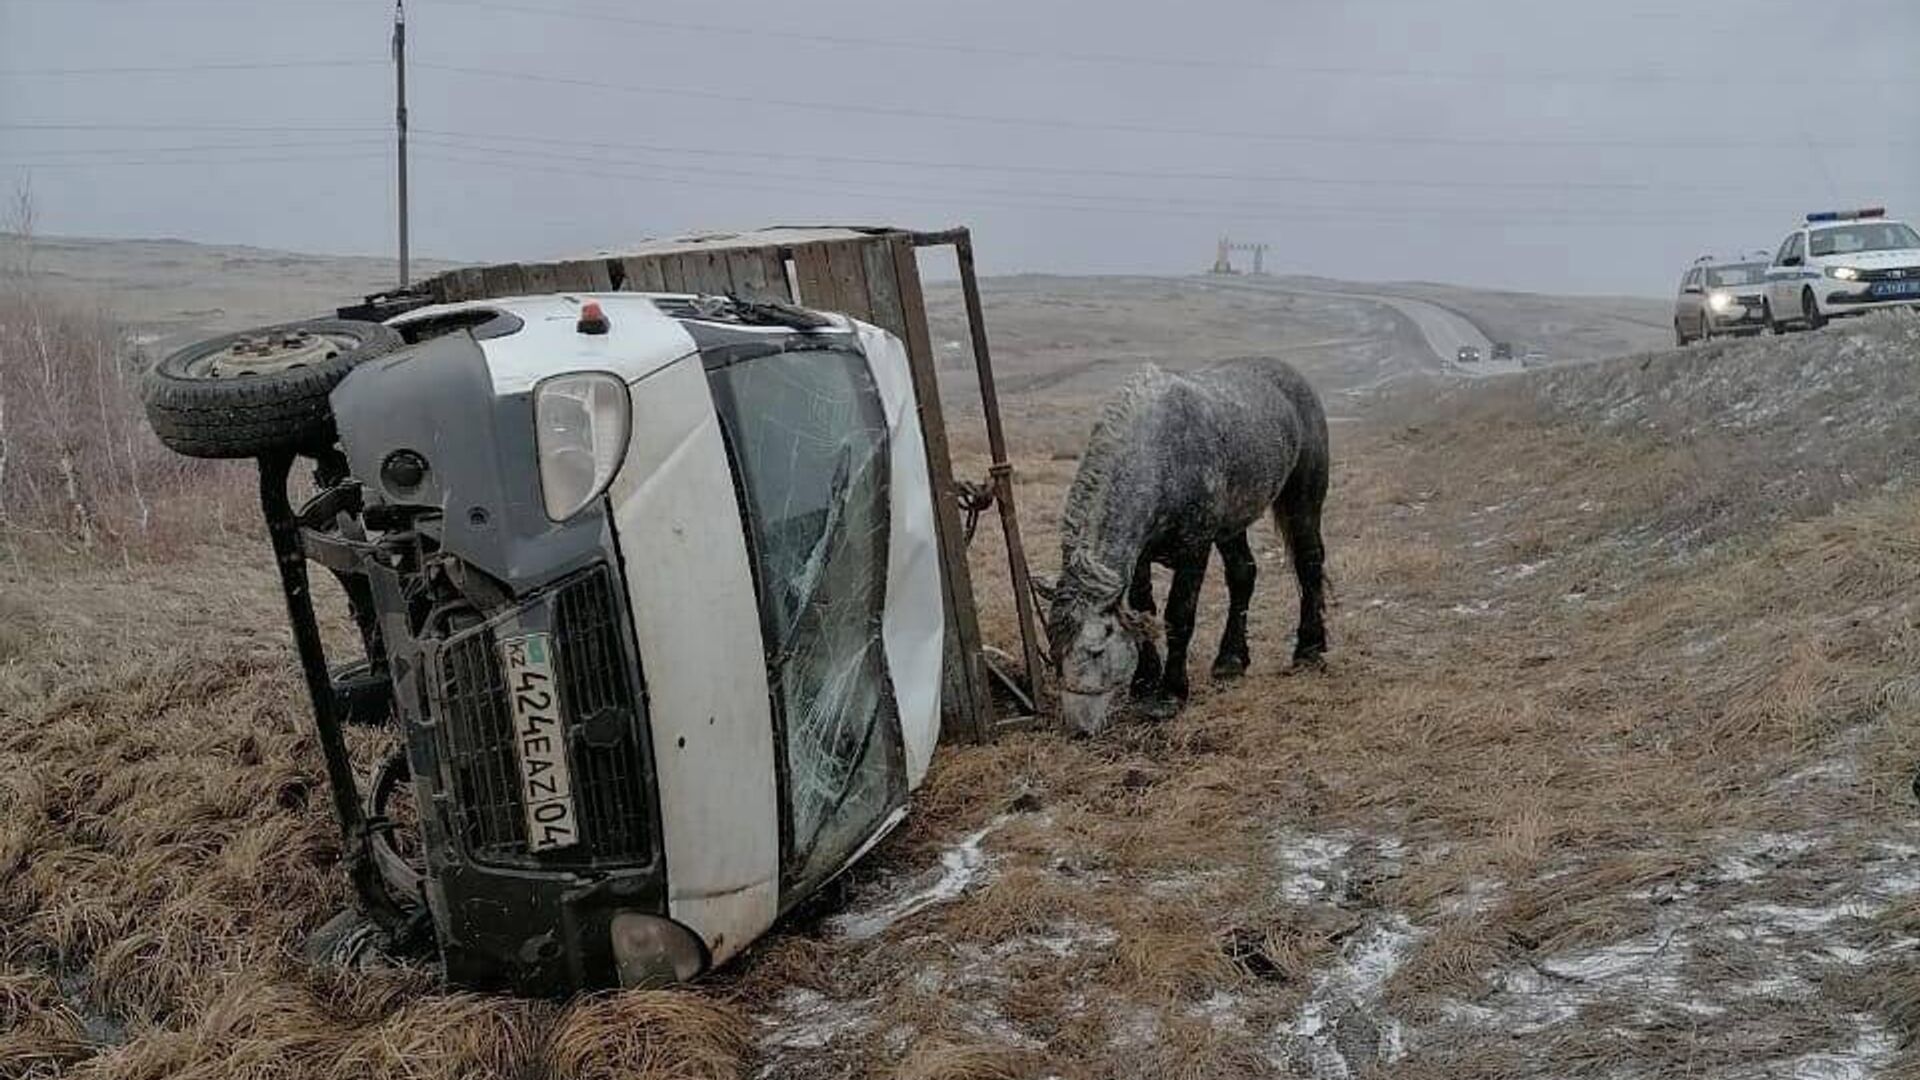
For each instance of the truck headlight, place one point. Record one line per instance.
(580, 432)
(1721, 301)
(1844, 273)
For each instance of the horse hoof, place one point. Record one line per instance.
(1228, 668)
(1315, 660)
(1160, 707)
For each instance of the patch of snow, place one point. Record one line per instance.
(1313, 870)
(1478, 607)
(1476, 899)
(1185, 883)
(805, 1019)
(959, 866)
(1222, 1010)
(1763, 920)
(1140, 1028)
(1703, 646)
(1756, 855)
(1067, 939)
(1874, 1047)
(1340, 1030)
(984, 1020)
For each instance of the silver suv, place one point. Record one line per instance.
(1720, 296)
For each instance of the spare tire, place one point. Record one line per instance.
(260, 391)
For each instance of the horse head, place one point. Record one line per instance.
(1094, 643)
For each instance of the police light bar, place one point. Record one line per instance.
(1847, 215)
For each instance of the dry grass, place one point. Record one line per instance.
(1521, 764)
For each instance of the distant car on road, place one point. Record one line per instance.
(1532, 358)
(1720, 296)
(1842, 262)
(1502, 350)
(1467, 354)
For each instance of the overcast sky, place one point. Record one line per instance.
(1556, 145)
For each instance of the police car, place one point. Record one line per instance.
(1842, 262)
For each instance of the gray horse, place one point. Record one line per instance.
(1178, 465)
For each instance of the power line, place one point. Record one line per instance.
(186, 69)
(514, 139)
(1082, 196)
(230, 128)
(1132, 60)
(366, 140)
(1053, 123)
(1171, 209)
(198, 163)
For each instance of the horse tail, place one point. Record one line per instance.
(1297, 510)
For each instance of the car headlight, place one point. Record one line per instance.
(580, 432)
(1722, 302)
(1844, 273)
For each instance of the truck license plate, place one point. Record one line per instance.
(540, 742)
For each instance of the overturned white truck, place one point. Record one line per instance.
(659, 577)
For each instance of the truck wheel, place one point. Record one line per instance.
(259, 391)
(1810, 310)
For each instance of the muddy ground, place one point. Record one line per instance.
(1607, 775)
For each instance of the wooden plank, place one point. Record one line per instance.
(757, 275)
(814, 277)
(715, 278)
(883, 288)
(543, 278)
(643, 274)
(506, 279)
(673, 273)
(454, 286)
(849, 270)
(693, 271)
(583, 275)
(966, 696)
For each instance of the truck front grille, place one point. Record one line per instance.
(605, 748)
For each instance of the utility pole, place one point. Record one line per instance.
(400, 119)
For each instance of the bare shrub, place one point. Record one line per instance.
(78, 465)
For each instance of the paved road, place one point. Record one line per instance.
(1445, 332)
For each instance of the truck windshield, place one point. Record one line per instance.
(1863, 236)
(1741, 274)
(808, 442)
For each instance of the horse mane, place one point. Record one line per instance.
(1082, 573)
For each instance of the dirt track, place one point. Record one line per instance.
(1607, 775)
